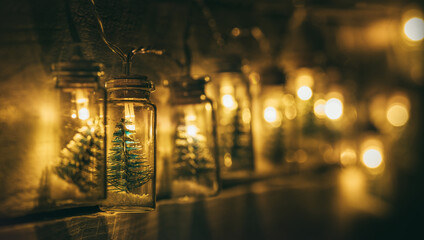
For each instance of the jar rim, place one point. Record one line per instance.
(130, 82)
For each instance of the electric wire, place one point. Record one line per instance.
(126, 58)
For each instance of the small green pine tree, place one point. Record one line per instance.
(127, 165)
(192, 156)
(80, 161)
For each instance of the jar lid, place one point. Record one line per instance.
(130, 82)
(77, 72)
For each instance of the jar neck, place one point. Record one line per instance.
(128, 94)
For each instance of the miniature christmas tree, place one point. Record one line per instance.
(193, 157)
(127, 165)
(80, 160)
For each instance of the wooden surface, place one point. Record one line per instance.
(282, 208)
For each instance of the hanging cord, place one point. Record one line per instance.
(71, 25)
(186, 36)
(125, 57)
(211, 23)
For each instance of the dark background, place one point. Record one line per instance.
(36, 34)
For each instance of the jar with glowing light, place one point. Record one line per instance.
(272, 109)
(131, 145)
(230, 90)
(195, 158)
(79, 171)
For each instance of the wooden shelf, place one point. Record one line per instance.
(292, 208)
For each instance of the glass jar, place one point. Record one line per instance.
(79, 171)
(195, 171)
(272, 119)
(230, 90)
(131, 145)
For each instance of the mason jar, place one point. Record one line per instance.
(78, 172)
(273, 119)
(195, 171)
(131, 145)
(230, 90)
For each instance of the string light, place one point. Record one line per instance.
(304, 93)
(414, 29)
(334, 108)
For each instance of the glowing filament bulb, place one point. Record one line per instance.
(397, 115)
(319, 108)
(82, 104)
(372, 158)
(74, 115)
(270, 114)
(83, 114)
(82, 100)
(130, 116)
(228, 101)
(192, 130)
(334, 108)
(190, 118)
(414, 29)
(227, 160)
(130, 127)
(304, 93)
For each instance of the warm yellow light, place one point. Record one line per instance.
(304, 77)
(192, 130)
(235, 32)
(74, 115)
(270, 114)
(208, 106)
(228, 101)
(414, 29)
(246, 116)
(254, 78)
(397, 115)
(290, 112)
(83, 114)
(130, 127)
(372, 158)
(348, 157)
(319, 108)
(301, 156)
(227, 160)
(191, 118)
(304, 93)
(334, 108)
(82, 100)
(288, 100)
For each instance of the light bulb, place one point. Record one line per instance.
(270, 114)
(414, 29)
(334, 108)
(304, 93)
(372, 158)
(397, 115)
(319, 108)
(192, 130)
(83, 114)
(228, 101)
(130, 127)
